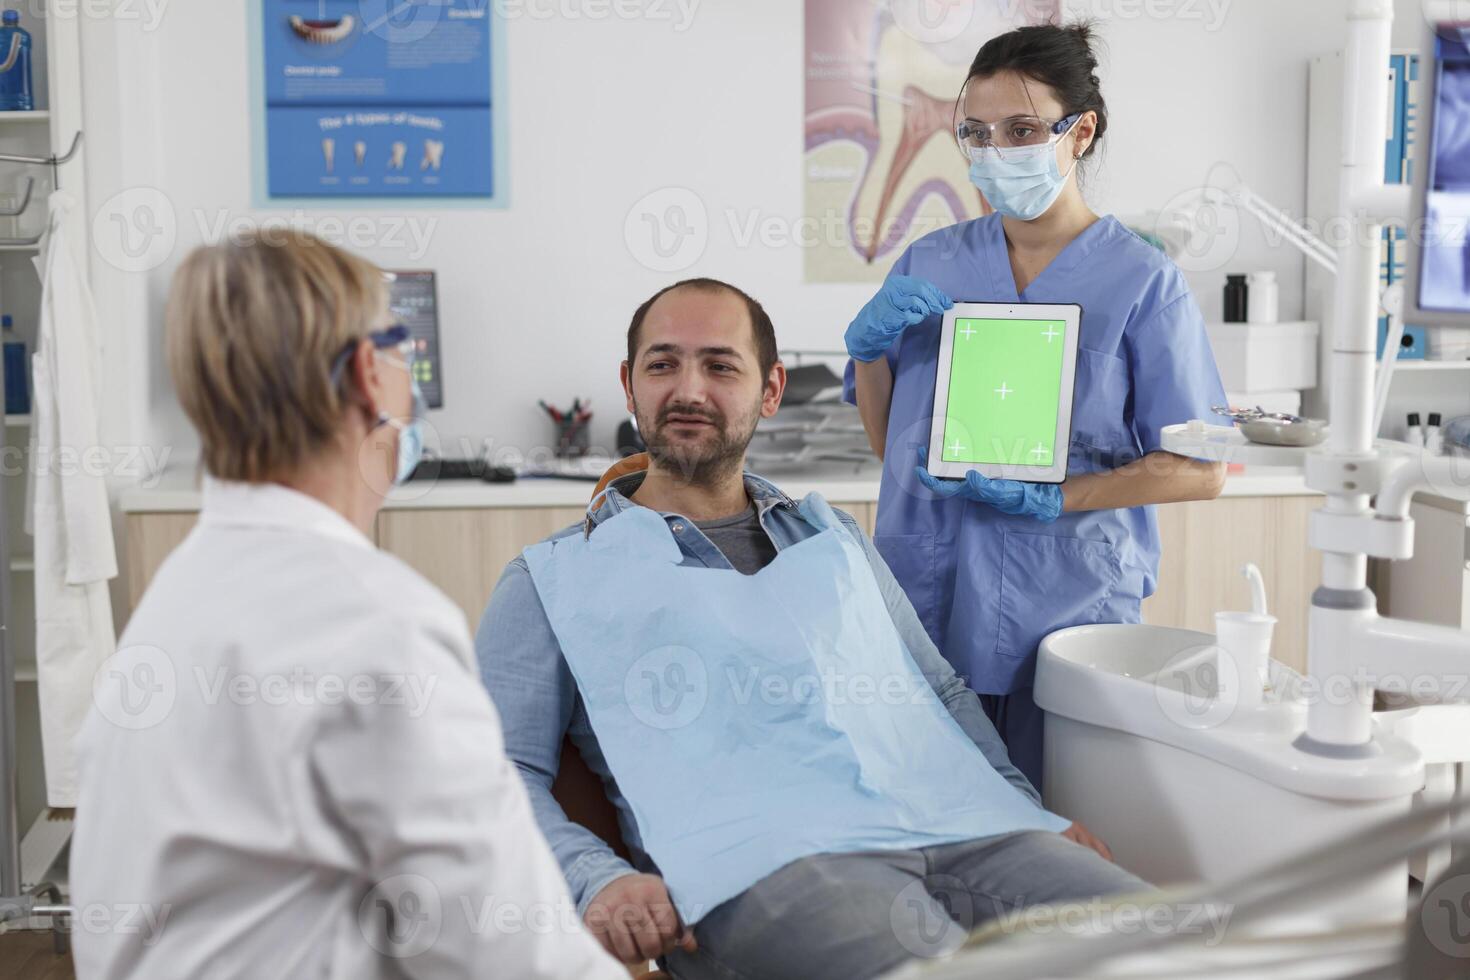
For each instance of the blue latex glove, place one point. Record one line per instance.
(1042, 501)
(902, 302)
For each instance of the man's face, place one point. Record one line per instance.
(696, 386)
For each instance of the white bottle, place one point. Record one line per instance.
(1260, 298)
(1415, 436)
(1433, 436)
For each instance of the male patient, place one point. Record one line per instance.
(806, 787)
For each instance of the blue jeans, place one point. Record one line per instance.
(847, 916)
(1021, 724)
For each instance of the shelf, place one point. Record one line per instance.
(18, 421)
(1226, 444)
(25, 672)
(22, 564)
(20, 248)
(1432, 366)
(35, 115)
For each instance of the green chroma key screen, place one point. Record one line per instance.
(1005, 383)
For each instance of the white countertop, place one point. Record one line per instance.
(177, 490)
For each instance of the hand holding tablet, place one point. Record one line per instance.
(1042, 501)
(1003, 395)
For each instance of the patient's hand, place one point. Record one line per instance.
(1083, 836)
(635, 920)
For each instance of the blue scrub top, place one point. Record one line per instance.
(988, 587)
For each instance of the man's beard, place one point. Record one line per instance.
(702, 462)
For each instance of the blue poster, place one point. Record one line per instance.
(378, 98)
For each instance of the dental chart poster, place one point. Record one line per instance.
(379, 99)
(881, 167)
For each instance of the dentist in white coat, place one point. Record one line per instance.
(291, 768)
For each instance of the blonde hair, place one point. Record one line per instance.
(252, 328)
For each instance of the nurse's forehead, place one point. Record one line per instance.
(691, 319)
(1007, 94)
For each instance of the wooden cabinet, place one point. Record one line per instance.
(461, 550)
(1205, 543)
(150, 538)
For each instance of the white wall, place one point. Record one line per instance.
(536, 298)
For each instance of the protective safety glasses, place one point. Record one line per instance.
(1014, 136)
(394, 338)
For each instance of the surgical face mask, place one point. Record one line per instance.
(410, 433)
(1023, 183)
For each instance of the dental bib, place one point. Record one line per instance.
(751, 720)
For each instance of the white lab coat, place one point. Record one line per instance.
(293, 717)
(68, 512)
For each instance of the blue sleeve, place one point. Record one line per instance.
(849, 373)
(528, 679)
(1174, 374)
(959, 700)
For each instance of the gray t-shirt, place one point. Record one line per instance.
(741, 539)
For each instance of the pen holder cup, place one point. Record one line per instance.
(571, 439)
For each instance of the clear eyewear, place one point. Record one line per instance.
(1012, 136)
(395, 338)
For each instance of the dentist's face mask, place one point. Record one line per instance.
(396, 347)
(1014, 162)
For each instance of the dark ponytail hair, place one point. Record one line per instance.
(1059, 57)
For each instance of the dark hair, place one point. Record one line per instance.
(1059, 57)
(765, 332)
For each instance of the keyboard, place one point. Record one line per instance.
(462, 469)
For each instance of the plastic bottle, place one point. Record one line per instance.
(1433, 436)
(1262, 304)
(17, 377)
(1235, 299)
(15, 65)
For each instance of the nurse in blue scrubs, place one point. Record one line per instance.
(992, 566)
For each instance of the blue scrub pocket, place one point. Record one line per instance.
(910, 557)
(1047, 583)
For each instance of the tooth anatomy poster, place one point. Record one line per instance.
(881, 167)
(378, 98)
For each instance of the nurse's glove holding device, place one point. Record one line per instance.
(902, 302)
(1042, 501)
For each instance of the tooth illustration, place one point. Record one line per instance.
(400, 151)
(322, 31)
(359, 151)
(329, 150)
(915, 129)
(433, 154)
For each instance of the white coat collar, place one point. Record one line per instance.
(226, 502)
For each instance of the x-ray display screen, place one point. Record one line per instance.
(1444, 264)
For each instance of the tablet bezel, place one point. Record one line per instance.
(1056, 472)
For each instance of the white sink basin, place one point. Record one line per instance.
(1185, 785)
(1161, 683)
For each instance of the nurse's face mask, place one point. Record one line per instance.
(1014, 161)
(395, 347)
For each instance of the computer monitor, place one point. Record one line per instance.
(1439, 234)
(414, 301)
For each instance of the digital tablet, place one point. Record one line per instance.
(1003, 395)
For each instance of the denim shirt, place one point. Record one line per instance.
(532, 686)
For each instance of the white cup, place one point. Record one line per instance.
(1245, 665)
